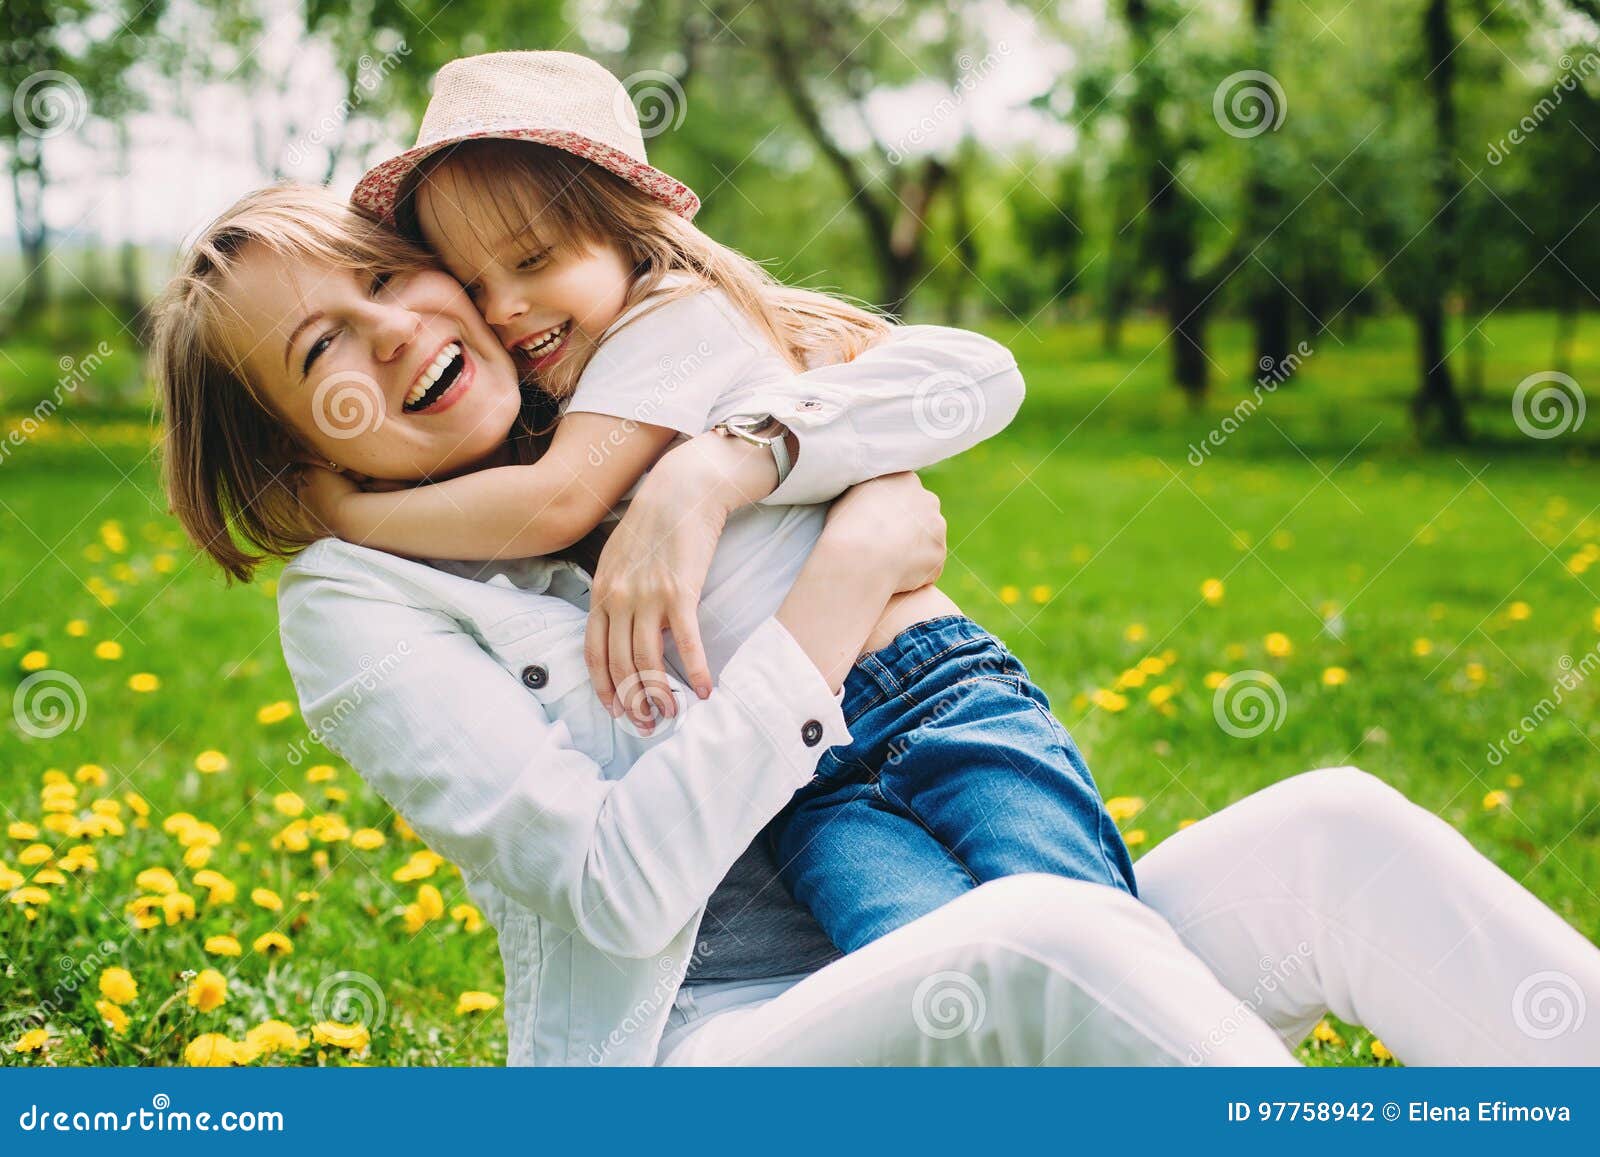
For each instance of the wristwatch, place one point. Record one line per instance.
(761, 430)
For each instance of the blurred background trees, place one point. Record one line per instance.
(1299, 167)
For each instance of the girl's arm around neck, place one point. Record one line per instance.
(506, 511)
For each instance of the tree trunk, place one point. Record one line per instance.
(1436, 395)
(27, 195)
(1270, 304)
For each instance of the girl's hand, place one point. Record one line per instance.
(654, 567)
(323, 491)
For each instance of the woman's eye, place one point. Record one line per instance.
(316, 351)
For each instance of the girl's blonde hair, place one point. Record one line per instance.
(230, 464)
(564, 198)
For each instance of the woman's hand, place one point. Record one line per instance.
(882, 537)
(654, 567)
(895, 524)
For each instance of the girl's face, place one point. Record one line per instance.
(395, 378)
(548, 298)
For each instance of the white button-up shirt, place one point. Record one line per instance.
(466, 704)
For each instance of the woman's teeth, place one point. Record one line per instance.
(432, 374)
(542, 343)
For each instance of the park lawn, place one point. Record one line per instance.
(1428, 601)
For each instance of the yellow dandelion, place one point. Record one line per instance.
(116, 1020)
(1519, 612)
(78, 628)
(92, 774)
(1513, 780)
(350, 1037)
(1496, 800)
(1039, 594)
(118, 986)
(1278, 645)
(1124, 807)
(1186, 823)
(366, 840)
(1212, 591)
(211, 762)
(470, 919)
(320, 773)
(210, 1050)
(223, 946)
(144, 683)
(430, 901)
(1421, 648)
(220, 889)
(108, 649)
(1136, 633)
(1215, 679)
(1009, 595)
(30, 895)
(1324, 1033)
(420, 866)
(1334, 676)
(35, 661)
(176, 907)
(268, 899)
(275, 712)
(273, 944)
(1380, 1051)
(157, 880)
(31, 1041)
(1108, 700)
(49, 876)
(34, 854)
(20, 830)
(275, 1036)
(473, 1001)
(208, 990)
(288, 803)
(1135, 837)
(335, 794)
(329, 829)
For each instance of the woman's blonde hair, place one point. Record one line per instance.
(230, 464)
(570, 199)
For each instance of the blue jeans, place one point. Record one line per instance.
(956, 774)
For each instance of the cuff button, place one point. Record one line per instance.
(811, 733)
(535, 676)
(810, 404)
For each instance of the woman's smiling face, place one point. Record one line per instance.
(394, 377)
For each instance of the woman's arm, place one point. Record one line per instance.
(460, 747)
(505, 511)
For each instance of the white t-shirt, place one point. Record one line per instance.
(687, 365)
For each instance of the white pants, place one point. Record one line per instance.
(1327, 892)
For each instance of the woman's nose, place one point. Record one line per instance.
(395, 328)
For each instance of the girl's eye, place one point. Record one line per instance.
(379, 281)
(533, 260)
(317, 349)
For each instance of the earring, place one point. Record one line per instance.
(334, 466)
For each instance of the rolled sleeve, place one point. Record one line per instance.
(926, 394)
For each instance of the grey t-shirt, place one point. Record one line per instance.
(753, 929)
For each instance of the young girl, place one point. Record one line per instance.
(530, 185)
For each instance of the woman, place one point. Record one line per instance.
(636, 922)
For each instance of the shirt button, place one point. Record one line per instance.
(811, 733)
(810, 404)
(535, 676)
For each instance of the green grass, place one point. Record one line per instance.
(1082, 536)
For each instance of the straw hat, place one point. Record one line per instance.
(559, 99)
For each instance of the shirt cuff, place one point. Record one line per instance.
(786, 695)
(827, 463)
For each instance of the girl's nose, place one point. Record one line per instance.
(502, 306)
